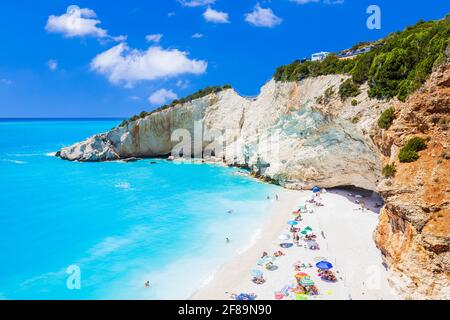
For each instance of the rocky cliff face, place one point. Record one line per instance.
(284, 133)
(301, 135)
(414, 229)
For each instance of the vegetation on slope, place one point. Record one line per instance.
(197, 95)
(389, 171)
(409, 153)
(386, 118)
(397, 66)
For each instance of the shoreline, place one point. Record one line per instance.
(236, 270)
(345, 238)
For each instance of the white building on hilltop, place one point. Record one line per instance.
(319, 56)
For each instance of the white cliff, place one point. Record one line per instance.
(284, 133)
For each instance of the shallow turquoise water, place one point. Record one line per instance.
(121, 223)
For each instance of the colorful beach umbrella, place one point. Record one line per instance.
(308, 229)
(301, 297)
(301, 275)
(292, 223)
(256, 273)
(306, 282)
(324, 265)
(245, 296)
(316, 189)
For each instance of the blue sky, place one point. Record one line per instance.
(116, 58)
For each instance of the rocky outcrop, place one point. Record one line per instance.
(414, 229)
(283, 133)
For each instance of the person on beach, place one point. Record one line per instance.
(147, 284)
(297, 239)
(228, 240)
(277, 197)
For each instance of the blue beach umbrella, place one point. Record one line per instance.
(316, 189)
(292, 223)
(256, 273)
(245, 296)
(324, 265)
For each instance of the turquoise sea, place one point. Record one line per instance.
(121, 224)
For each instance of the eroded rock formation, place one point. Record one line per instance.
(284, 132)
(414, 229)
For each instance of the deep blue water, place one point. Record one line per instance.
(120, 223)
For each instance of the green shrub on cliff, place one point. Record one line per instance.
(396, 67)
(409, 153)
(389, 171)
(386, 118)
(348, 89)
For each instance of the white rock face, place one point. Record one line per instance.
(284, 133)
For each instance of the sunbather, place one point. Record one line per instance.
(259, 280)
(279, 254)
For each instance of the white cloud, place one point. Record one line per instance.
(154, 37)
(52, 64)
(196, 3)
(214, 16)
(261, 17)
(122, 64)
(78, 22)
(197, 36)
(162, 96)
(182, 84)
(134, 98)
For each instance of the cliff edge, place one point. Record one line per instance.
(414, 229)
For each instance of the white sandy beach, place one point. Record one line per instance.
(345, 236)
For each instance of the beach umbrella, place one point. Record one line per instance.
(316, 189)
(268, 259)
(359, 196)
(261, 262)
(245, 296)
(256, 273)
(324, 265)
(284, 237)
(306, 232)
(306, 282)
(308, 229)
(301, 297)
(292, 223)
(301, 275)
